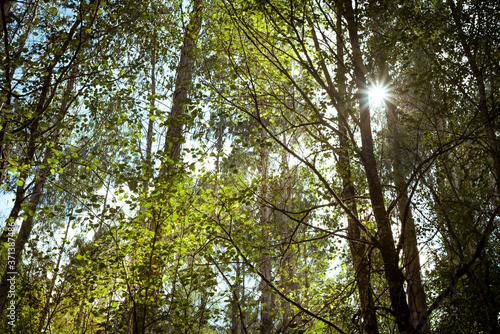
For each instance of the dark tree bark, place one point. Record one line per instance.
(235, 317)
(361, 262)
(288, 271)
(25, 230)
(392, 272)
(411, 258)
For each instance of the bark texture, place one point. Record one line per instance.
(173, 144)
(175, 137)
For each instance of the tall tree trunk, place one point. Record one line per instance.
(46, 96)
(266, 299)
(411, 258)
(151, 122)
(235, 317)
(288, 288)
(5, 9)
(81, 310)
(173, 143)
(392, 272)
(482, 105)
(288, 269)
(140, 306)
(24, 232)
(203, 308)
(183, 81)
(359, 255)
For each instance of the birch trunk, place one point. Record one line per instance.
(46, 308)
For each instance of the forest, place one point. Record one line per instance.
(250, 166)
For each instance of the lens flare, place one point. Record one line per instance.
(377, 94)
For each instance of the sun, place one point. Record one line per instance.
(376, 95)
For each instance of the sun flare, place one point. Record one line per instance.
(377, 94)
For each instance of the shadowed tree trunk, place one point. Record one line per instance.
(151, 122)
(46, 307)
(361, 262)
(288, 271)
(392, 272)
(235, 318)
(411, 258)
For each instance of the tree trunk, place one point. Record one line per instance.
(173, 142)
(24, 232)
(235, 317)
(481, 89)
(488, 118)
(266, 299)
(411, 259)
(392, 272)
(361, 262)
(288, 268)
(183, 81)
(151, 122)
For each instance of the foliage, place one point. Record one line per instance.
(296, 205)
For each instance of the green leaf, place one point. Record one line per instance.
(53, 10)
